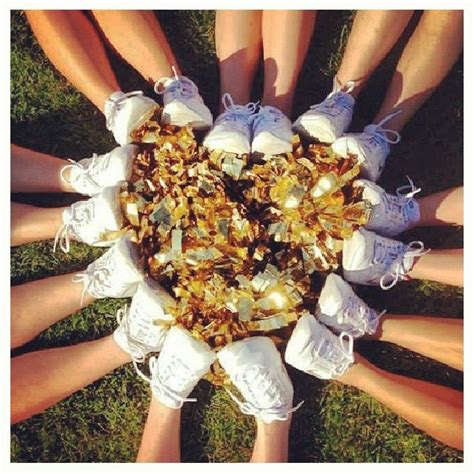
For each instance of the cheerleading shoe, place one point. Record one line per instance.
(87, 221)
(90, 175)
(370, 259)
(113, 275)
(143, 327)
(256, 369)
(182, 102)
(342, 310)
(328, 120)
(124, 113)
(314, 349)
(271, 131)
(232, 129)
(182, 362)
(371, 147)
(390, 214)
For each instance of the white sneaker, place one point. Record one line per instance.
(183, 360)
(182, 103)
(342, 310)
(390, 214)
(143, 327)
(113, 275)
(271, 131)
(328, 120)
(369, 259)
(256, 369)
(90, 175)
(372, 147)
(126, 112)
(87, 221)
(232, 129)
(314, 349)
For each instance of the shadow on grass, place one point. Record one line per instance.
(305, 424)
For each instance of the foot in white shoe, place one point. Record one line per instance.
(113, 275)
(126, 112)
(143, 327)
(328, 120)
(370, 259)
(256, 369)
(182, 103)
(372, 147)
(271, 131)
(390, 214)
(232, 129)
(87, 221)
(314, 349)
(90, 175)
(342, 310)
(182, 362)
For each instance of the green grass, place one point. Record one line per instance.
(103, 422)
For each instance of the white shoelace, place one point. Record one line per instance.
(92, 281)
(62, 237)
(112, 107)
(414, 249)
(122, 320)
(248, 408)
(178, 88)
(359, 315)
(408, 190)
(237, 116)
(96, 166)
(160, 387)
(81, 214)
(332, 104)
(395, 205)
(346, 351)
(378, 132)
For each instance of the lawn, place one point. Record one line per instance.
(103, 422)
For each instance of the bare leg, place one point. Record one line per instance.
(443, 208)
(443, 265)
(438, 338)
(426, 60)
(38, 304)
(271, 443)
(435, 409)
(373, 34)
(286, 36)
(31, 223)
(43, 378)
(139, 39)
(238, 44)
(34, 172)
(160, 441)
(72, 44)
